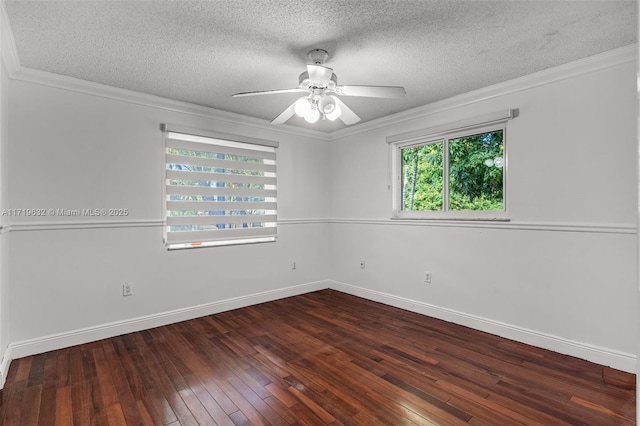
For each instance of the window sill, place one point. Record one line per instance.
(459, 216)
(224, 243)
(456, 219)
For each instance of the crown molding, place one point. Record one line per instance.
(18, 72)
(576, 68)
(579, 67)
(143, 99)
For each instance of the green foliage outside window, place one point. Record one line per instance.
(475, 174)
(422, 183)
(215, 173)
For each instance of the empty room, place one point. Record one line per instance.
(353, 212)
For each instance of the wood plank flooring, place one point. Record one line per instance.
(315, 359)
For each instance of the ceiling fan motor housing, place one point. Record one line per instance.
(305, 83)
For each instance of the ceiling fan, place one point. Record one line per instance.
(321, 90)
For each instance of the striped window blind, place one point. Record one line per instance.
(219, 189)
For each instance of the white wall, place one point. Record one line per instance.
(562, 273)
(71, 150)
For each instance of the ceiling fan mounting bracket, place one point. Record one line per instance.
(318, 56)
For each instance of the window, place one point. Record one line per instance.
(219, 189)
(452, 174)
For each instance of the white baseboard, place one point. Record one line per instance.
(603, 356)
(77, 337)
(615, 359)
(4, 366)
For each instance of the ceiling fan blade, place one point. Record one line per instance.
(372, 91)
(270, 92)
(319, 74)
(284, 115)
(347, 116)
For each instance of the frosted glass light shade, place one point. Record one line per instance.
(498, 162)
(312, 116)
(302, 107)
(334, 114)
(327, 104)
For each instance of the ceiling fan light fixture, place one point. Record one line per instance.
(322, 99)
(312, 116)
(302, 107)
(334, 114)
(327, 104)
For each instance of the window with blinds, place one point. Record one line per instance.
(219, 189)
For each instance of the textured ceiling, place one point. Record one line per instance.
(204, 51)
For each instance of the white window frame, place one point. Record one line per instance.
(442, 134)
(192, 138)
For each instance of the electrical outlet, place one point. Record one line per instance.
(127, 290)
(427, 277)
(293, 265)
(362, 264)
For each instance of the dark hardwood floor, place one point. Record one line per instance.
(320, 358)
